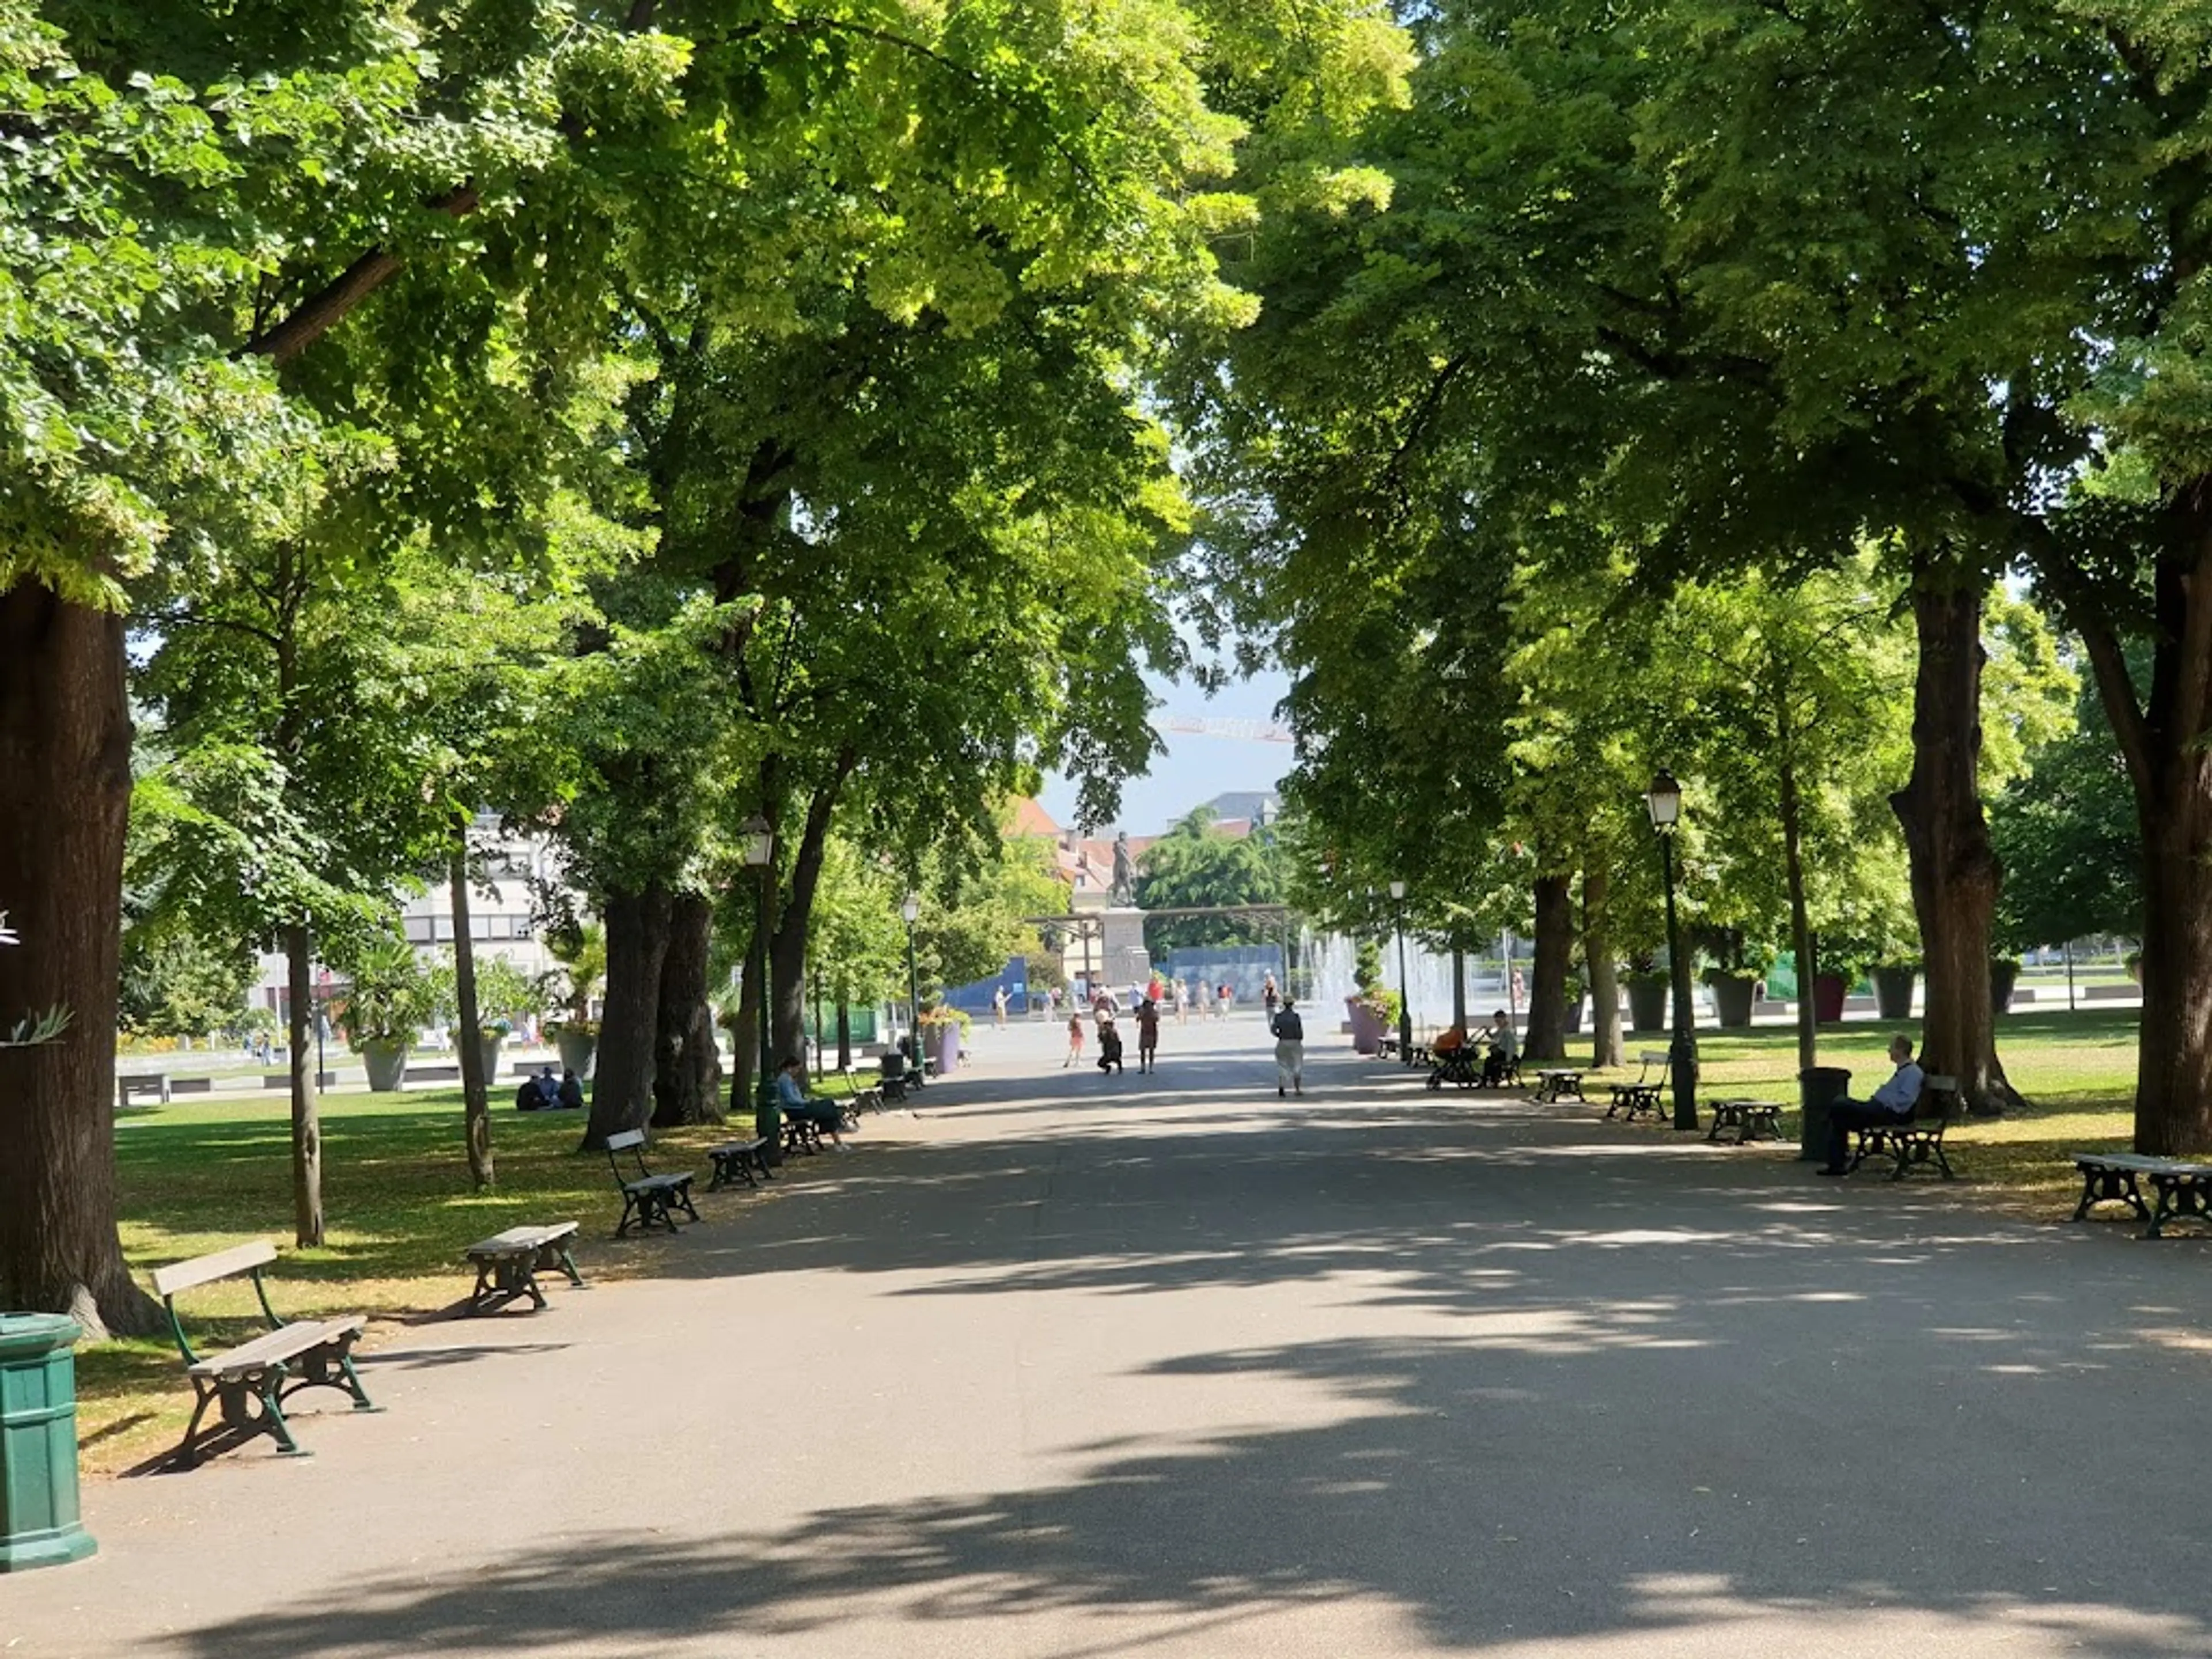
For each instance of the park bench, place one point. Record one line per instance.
(507, 1263)
(1555, 1083)
(1914, 1142)
(648, 1200)
(250, 1383)
(800, 1134)
(2185, 1189)
(1631, 1099)
(1752, 1120)
(155, 1084)
(860, 1096)
(740, 1160)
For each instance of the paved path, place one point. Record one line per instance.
(1069, 1366)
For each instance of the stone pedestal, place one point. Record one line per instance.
(1124, 961)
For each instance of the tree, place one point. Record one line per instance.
(1197, 865)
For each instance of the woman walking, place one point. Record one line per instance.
(1074, 1041)
(1290, 1050)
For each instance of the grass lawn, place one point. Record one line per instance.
(198, 1176)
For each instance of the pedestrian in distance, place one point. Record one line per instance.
(1290, 1049)
(1181, 1002)
(1148, 1033)
(1074, 1041)
(999, 1008)
(1268, 996)
(1110, 1047)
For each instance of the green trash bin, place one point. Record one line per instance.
(1819, 1087)
(39, 1525)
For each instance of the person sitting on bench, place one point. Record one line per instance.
(1892, 1103)
(793, 1100)
(1504, 1047)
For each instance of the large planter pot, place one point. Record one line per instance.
(1733, 995)
(488, 1051)
(1366, 1029)
(1574, 1014)
(387, 1066)
(1828, 992)
(1892, 991)
(948, 1050)
(1647, 1005)
(2003, 975)
(578, 1049)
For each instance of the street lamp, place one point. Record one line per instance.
(909, 907)
(758, 841)
(1664, 800)
(1405, 990)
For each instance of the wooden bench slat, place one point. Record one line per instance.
(206, 1269)
(516, 1241)
(285, 1342)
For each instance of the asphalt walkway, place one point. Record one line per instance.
(1068, 1366)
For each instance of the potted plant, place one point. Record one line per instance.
(582, 953)
(389, 998)
(1735, 990)
(942, 1030)
(1648, 985)
(2133, 962)
(504, 994)
(1368, 1009)
(2004, 974)
(1577, 988)
(1892, 977)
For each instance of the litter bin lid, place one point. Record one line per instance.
(22, 1334)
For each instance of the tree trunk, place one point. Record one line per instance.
(2165, 743)
(1547, 990)
(1605, 985)
(1459, 987)
(788, 937)
(1801, 926)
(745, 1040)
(687, 1073)
(476, 1101)
(844, 1030)
(1954, 868)
(64, 796)
(637, 939)
(307, 1087)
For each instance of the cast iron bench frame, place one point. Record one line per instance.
(1555, 1083)
(1752, 1120)
(1632, 1100)
(1914, 1142)
(648, 1200)
(739, 1160)
(507, 1264)
(250, 1382)
(2185, 1189)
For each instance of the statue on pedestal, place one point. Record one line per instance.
(1125, 879)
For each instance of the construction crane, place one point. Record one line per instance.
(1245, 731)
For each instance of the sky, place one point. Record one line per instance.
(1195, 768)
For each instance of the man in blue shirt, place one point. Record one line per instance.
(1892, 1103)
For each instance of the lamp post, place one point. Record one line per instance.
(758, 841)
(909, 907)
(1664, 800)
(1405, 989)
